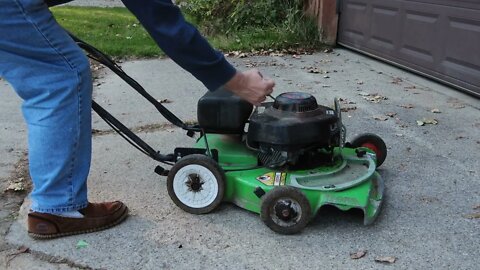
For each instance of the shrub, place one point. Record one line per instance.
(233, 15)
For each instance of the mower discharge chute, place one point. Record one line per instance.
(284, 159)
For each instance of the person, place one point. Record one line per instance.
(52, 76)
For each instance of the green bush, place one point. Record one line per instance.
(232, 15)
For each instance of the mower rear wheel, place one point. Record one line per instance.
(374, 143)
(196, 184)
(285, 210)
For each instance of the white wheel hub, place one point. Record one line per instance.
(195, 186)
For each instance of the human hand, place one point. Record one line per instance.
(251, 86)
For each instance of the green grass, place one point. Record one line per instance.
(112, 30)
(117, 32)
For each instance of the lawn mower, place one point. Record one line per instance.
(284, 159)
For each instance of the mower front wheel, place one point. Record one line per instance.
(196, 184)
(285, 210)
(374, 143)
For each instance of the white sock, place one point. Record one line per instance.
(69, 214)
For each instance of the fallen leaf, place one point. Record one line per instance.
(82, 244)
(473, 216)
(385, 259)
(399, 135)
(374, 98)
(20, 250)
(380, 118)
(391, 114)
(407, 106)
(357, 255)
(397, 80)
(329, 50)
(345, 101)
(277, 54)
(364, 94)
(430, 121)
(360, 82)
(476, 207)
(16, 186)
(313, 70)
(164, 101)
(435, 110)
(427, 121)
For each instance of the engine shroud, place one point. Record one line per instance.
(291, 127)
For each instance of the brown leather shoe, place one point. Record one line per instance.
(97, 217)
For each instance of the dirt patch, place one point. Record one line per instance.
(10, 202)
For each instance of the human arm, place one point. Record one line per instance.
(182, 42)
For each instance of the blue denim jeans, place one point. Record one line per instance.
(52, 76)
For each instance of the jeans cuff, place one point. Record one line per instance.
(54, 210)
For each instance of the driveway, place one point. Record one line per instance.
(430, 216)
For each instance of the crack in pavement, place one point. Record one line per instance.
(142, 129)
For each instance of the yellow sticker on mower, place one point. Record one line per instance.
(273, 178)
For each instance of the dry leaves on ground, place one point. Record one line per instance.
(346, 101)
(357, 255)
(16, 186)
(435, 110)
(391, 114)
(473, 216)
(164, 101)
(374, 98)
(386, 259)
(397, 80)
(315, 70)
(380, 117)
(427, 121)
(407, 106)
(20, 250)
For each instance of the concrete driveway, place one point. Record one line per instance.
(430, 216)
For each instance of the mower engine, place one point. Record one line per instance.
(293, 131)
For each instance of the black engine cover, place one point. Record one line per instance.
(293, 122)
(222, 112)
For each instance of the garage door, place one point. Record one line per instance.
(437, 38)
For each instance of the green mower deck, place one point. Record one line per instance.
(351, 182)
